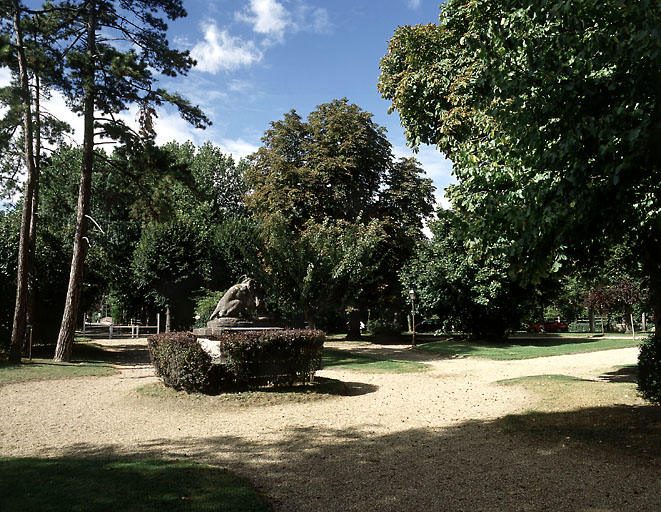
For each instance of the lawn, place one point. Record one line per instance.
(88, 360)
(53, 485)
(525, 348)
(343, 359)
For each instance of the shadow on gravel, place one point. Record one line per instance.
(602, 458)
(128, 354)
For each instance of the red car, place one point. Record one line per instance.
(548, 326)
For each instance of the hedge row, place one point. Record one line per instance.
(252, 359)
(258, 358)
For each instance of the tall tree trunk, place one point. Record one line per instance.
(652, 255)
(75, 289)
(18, 328)
(309, 319)
(30, 312)
(353, 325)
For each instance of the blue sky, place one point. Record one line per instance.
(258, 59)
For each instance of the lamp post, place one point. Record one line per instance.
(412, 295)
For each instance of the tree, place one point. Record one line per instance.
(34, 66)
(109, 78)
(322, 269)
(332, 171)
(170, 263)
(551, 115)
(468, 289)
(331, 166)
(218, 183)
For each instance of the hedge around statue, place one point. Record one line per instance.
(252, 359)
(273, 357)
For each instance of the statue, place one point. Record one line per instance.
(244, 299)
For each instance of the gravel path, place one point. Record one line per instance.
(400, 442)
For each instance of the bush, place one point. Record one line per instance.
(182, 363)
(205, 304)
(253, 358)
(258, 358)
(380, 326)
(649, 369)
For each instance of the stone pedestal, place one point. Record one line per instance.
(218, 326)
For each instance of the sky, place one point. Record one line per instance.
(258, 59)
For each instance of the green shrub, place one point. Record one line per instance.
(276, 357)
(649, 369)
(182, 364)
(381, 326)
(205, 304)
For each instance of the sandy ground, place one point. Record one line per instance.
(399, 442)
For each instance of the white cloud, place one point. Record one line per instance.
(273, 20)
(414, 4)
(219, 50)
(5, 77)
(267, 17)
(320, 21)
(238, 148)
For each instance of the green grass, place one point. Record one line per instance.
(88, 360)
(334, 358)
(518, 348)
(53, 485)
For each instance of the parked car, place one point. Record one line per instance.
(548, 326)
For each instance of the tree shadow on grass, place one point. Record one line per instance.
(560, 461)
(130, 353)
(121, 484)
(626, 374)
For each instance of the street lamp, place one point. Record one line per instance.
(412, 295)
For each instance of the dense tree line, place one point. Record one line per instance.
(176, 225)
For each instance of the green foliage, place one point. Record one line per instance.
(180, 362)
(170, 262)
(205, 303)
(466, 287)
(9, 224)
(218, 183)
(321, 177)
(235, 250)
(649, 369)
(276, 357)
(383, 326)
(331, 166)
(549, 112)
(322, 268)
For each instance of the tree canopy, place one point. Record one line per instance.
(314, 185)
(550, 113)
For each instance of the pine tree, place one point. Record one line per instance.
(114, 46)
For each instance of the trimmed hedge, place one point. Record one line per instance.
(649, 369)
(252, 359)
(181, 362)
(272, 357)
